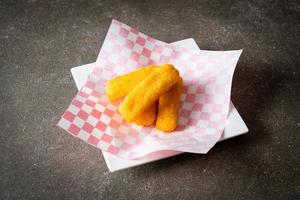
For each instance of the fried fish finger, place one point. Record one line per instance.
(168, 108)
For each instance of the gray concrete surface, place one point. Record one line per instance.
(41, 40)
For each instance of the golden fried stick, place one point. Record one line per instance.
(147, 117)
(148, 91)
(120, 86)
(168, 108)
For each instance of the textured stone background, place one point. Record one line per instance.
(40, 41)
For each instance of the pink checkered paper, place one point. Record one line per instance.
(204, 102)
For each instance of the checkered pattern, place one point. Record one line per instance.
(204, 103)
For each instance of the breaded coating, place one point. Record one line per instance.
(148, 117)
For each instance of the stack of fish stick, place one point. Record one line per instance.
(151, 96)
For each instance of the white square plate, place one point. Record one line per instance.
(234, 126)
